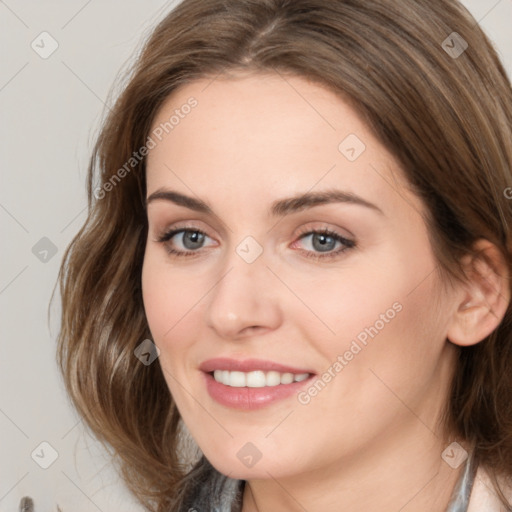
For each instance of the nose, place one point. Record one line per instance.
(245, 301)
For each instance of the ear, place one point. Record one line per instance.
(483, 299)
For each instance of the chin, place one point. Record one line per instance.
(240, 466)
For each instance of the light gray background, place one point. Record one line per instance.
(50, 112)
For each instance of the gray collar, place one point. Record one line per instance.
(462, 492)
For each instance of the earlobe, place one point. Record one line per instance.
(483, 299)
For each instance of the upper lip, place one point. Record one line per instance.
(248, 365)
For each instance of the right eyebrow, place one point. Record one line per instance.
(181, 200)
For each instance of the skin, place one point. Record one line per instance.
(371, 439)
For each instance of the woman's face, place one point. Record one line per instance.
(354, 312)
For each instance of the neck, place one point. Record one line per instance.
(409, 476)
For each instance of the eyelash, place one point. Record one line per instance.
(349, 244)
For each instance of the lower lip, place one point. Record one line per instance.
(250, 398)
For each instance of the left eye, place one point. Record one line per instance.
(325, 243)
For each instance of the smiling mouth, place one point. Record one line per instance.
(256, 379)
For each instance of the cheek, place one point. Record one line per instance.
(344, 303)
(172, 302)
(388, 344)
(384, 315)
(171, 299)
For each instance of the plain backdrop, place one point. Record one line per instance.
(50, 108)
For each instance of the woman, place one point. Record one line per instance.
(297, 253)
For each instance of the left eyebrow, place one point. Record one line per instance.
(308, 200)
(278, 208)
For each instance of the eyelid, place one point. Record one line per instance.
(166, 235)
(323, 228)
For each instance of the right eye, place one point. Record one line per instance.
(188, 240)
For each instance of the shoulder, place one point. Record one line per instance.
(484, 497)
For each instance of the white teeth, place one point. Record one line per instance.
(286, 378)
(273, 378)
(237, 379)
(256, 379)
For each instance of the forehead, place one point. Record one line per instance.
(262, 136)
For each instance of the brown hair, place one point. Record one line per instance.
(446, 118)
